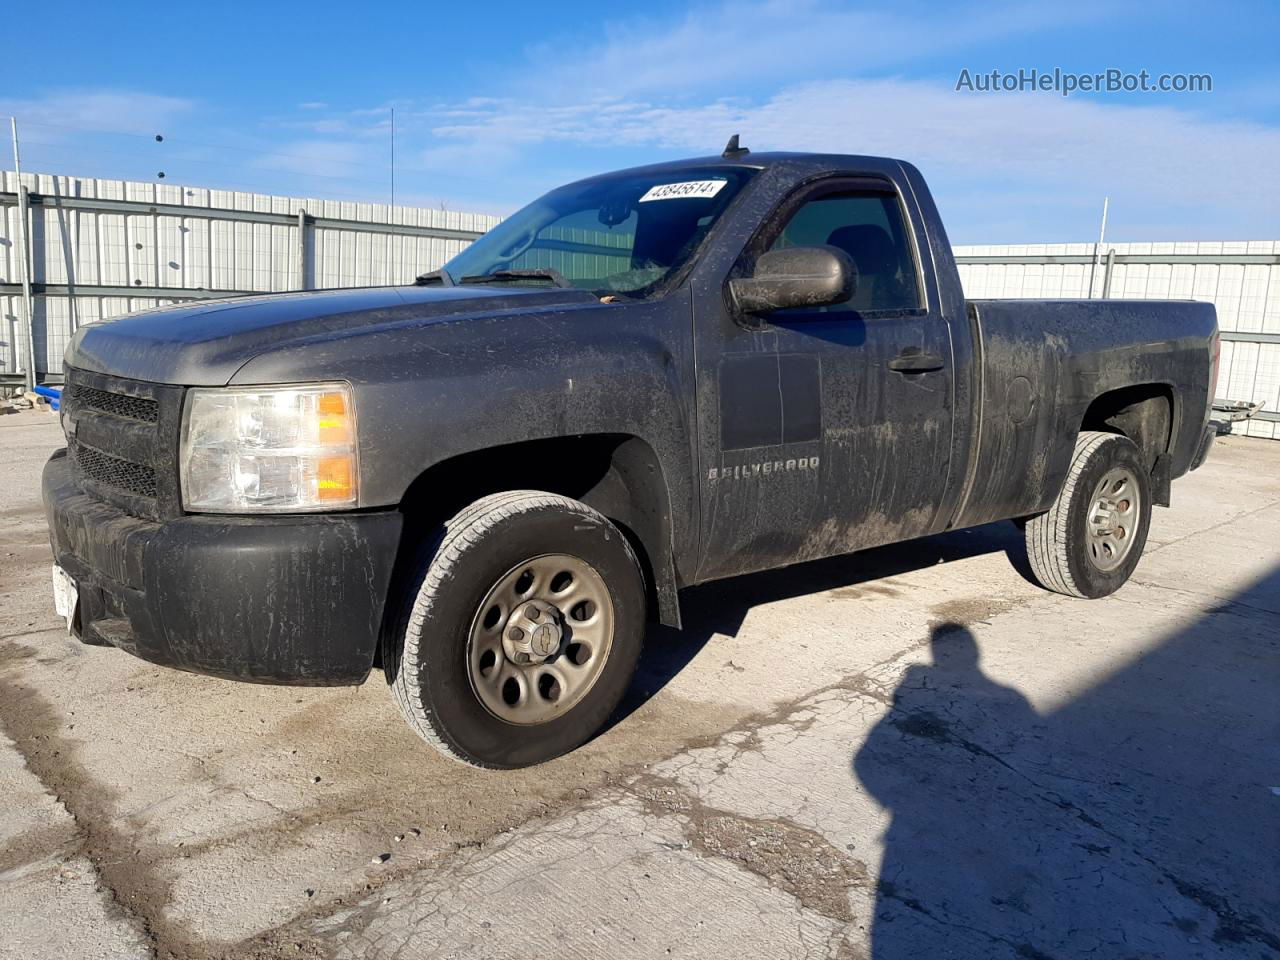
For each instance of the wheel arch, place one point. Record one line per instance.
(616, 473)
(1146, 413)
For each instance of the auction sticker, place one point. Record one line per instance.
(681, 191)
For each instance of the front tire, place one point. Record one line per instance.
(1089, 542)
(522, 630)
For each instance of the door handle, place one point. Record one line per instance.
(915, 360)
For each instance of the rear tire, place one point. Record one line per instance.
(548, 570)
(1089, 542)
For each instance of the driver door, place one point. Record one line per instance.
(824, 430)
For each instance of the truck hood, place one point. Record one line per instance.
(204, 343)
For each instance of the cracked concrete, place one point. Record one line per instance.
(790, 857)
(909, 753)
(51, 902)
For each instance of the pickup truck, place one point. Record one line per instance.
(487, 483)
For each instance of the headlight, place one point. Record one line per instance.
(269, 449)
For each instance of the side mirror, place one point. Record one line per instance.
(796, 277)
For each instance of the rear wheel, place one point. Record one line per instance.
(1089, 542)
(522, 633)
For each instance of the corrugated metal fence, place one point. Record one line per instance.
(101, 248)
(1241, 279)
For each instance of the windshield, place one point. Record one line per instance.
(624, 235)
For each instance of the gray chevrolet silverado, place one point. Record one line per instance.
(487, 483)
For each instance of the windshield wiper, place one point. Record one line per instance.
(499, 276)
(431, 278)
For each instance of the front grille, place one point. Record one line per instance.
(136, 478)
(116, 404)
(122, 435)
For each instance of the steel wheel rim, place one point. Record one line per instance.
(565, 647)
(1115, 510)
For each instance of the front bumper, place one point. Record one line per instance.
(281, 599)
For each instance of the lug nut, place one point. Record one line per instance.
(515, 634)
(522, 658)
(532, 612)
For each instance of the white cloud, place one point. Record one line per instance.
(812, 76)
(635, 79)
(61, 113)
(1026, 153)
(736, 44)
(802, 75)
(320, 158)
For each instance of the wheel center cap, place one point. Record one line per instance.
(545, 640)
(532, 632)
(1105, 520)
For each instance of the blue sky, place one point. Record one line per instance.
(497, 102)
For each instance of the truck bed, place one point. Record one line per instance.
(1042, 362)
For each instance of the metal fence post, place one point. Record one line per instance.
(1097, 247)
(68, 256)
(24, 229)
(1106, 276)
(24, 258)
(302, 249)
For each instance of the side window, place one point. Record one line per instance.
(869, 227)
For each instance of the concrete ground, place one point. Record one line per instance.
(909, 753)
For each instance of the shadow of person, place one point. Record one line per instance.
(1134, 821)
(721, 606)
(955, 855)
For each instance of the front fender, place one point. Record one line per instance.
(425, 395)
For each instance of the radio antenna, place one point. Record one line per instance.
(732, 150)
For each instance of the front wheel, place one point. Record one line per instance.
(523, 632)
(1090, 540)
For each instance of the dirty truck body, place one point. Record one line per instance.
(487, 482)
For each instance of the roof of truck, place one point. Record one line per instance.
(799, 162)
